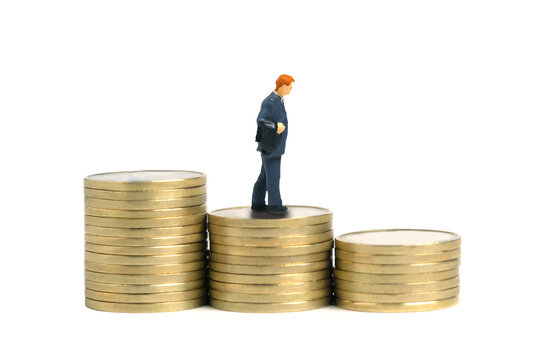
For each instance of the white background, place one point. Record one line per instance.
(417, 114)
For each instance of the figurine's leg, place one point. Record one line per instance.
(259, 189)
(273, 173)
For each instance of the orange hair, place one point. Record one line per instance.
(283, 80)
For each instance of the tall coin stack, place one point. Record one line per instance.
(397, 270)
(145, 241)
(261, 262)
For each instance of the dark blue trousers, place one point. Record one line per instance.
(268, 181)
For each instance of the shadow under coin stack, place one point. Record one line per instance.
(145, 242)
(397, 270)
(261, 262)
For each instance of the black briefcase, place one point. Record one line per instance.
(267, 137)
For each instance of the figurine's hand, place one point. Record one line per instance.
(280, 128)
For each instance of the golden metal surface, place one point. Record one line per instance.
(144, 204)
(146, 308)
(146, 298)
(354, 242)
(145, 250)
(399, 307)
(270, 260)
(145, 260)
(271, 251)
(145, 180)
(269, 232)
(269, 279)
(397, 259)
(270, 298)
(145, 269)
(145, 223)
(395, 278)
(145, 288)
(145, 214)
(246, 218)
(365, 287)
(272, 241)
(271, 288)
(397, 298)
(270, 307)
(396, 269)
(140, 233)
(135, 242)
(145, 195)
(145, 279)
(270, 269)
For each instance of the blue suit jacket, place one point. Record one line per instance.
(273, 112)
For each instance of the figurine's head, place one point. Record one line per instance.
(284, 85)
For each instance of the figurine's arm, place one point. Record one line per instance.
(265, 118)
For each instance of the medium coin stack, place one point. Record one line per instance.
(261, 262)
(145, 241)
(397, 270)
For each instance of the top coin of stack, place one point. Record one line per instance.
(261, 262)
(397, 270)
(145, 241)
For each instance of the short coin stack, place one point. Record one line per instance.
(146, 241)
(261, 262)
(397, 270)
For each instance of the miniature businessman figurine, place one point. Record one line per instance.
(272, 129)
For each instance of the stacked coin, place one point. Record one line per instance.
(145, 242)
(397, 270)
(261, 262)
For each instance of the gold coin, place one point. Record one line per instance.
(270, 307)
(146, 308)
(145, 288)
(145, 223)
(270, 269)
(144, 204)
(270, 260)
(146, 298)
(145, 195)
(397, 298)
(145, 269)
(397, 259)
(396, 288)
(272, 241)
(295, 216)
(271, 288)
(145, 279)
(269, 279)
(398, 241)
(395, 278)
(146, 250)
(139, 233)
(270, 298)
(397, 308)
(144, 260)
(272, 251)
(145, 180)
(145, 214)
(397, 269)
(136, 242)
(269, 232)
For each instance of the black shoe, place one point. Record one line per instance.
(277, 209)
(258, 207)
